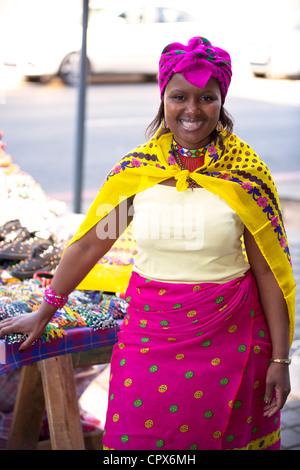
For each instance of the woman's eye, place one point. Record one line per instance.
(206, 98)
(179, 97)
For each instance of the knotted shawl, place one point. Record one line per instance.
(232, 170)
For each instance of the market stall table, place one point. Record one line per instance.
(47, 381)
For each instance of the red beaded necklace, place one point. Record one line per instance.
(189, 159)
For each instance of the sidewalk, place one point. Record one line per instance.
(290, 417)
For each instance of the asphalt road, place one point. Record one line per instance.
(39, 125)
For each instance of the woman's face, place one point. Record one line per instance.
(192, 113)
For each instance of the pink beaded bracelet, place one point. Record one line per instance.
(54, 299)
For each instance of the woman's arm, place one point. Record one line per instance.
(78, 260)
(275, 310)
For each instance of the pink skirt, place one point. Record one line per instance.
(188, 370)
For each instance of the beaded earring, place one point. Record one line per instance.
(219, 126)
(164, 124)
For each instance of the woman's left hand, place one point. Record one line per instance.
(278, 381)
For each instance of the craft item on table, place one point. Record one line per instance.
(103, 302)
(44, 258)
(16, 249)
(21, 186)
(62, 321)
(42, 278)
(9, 231)
(10, 308)
(5, 274)
(26, 293)
(113, 305)
(97, 320)
(23, 291)
(97, 307)
(32, 291)
(67, 318)
(21, 197)
(86, 299)
(83, 309)
(25, 245)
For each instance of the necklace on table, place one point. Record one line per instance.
(189, 159)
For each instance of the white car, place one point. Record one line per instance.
(119, 40)
(277, 54)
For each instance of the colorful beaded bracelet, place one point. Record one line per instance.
(54, 299)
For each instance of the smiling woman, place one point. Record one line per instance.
(201, 360)
(193, 88)
(191, 112)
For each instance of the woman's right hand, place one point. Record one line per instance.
(31, 324)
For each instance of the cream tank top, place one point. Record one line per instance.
(189, 236)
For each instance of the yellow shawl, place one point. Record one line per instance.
(231, 170)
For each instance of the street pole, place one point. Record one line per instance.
(80, 127)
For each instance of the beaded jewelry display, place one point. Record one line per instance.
(95, 310)
(54, 299)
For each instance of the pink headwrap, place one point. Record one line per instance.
(197, 62)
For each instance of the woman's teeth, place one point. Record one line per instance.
(191, 125)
